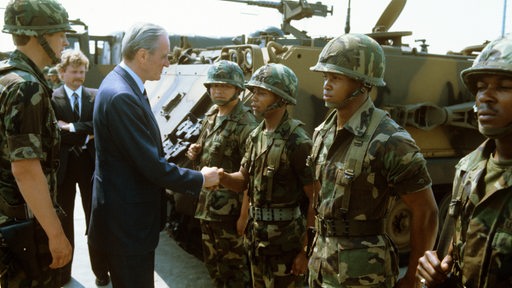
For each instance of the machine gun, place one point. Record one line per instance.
(292, 10)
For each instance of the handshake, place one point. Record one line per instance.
(212, 176)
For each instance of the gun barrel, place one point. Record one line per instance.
(292, 10)
(320, 9)
(268, 4)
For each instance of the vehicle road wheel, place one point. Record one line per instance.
(398, 227)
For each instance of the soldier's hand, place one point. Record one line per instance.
(300, 264)
(193, 151)
(61, 250)
(432, 269)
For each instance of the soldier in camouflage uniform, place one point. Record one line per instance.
(363, 159)
(278, 180)
(53, 78)
(222, 144)
(481, 251)
(29, 136)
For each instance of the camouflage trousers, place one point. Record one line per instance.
(353, 262)
(224, 254)
(274, 271)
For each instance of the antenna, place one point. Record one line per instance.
(504, 18)
(347, 24)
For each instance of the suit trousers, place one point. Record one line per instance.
(79, 171)
(132, 271)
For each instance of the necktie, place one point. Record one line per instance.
(145, 94)
(76, 114)
(76, 109)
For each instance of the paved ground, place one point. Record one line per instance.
(173, 268)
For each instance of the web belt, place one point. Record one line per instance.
(274, 214)
(349, 228)
(20, 212)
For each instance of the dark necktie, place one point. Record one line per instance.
(145, 94)
(76, 109)
(76, 114)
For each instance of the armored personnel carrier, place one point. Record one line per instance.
(423, 93)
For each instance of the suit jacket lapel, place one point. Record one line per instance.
(145, 105)
(87, 105)
(64, 104)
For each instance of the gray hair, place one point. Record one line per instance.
(141, 36)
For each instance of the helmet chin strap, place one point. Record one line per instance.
(361, 90)
(48, 49)
(225, 102)
(275, 105)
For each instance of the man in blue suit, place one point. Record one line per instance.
(131, 171)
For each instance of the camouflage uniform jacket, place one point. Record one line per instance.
(392, 165)
(483, 232)
(223, 146)
(287, 183)
(28, 127)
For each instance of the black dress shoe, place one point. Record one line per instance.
(103, 281)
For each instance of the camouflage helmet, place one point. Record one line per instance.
(277, 78)
(226, 72)
(495, 58)
(53, 71)
(355, 55)
(35, 18)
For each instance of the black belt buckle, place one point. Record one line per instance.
(330, 228)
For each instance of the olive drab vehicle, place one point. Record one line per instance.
(103, 52)
(423, 93)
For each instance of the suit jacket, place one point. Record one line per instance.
(131, 170)
(83, 127)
